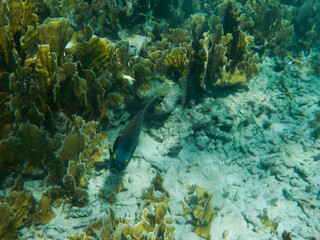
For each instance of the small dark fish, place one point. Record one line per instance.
(125, 144)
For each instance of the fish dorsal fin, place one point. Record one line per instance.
(116, 143)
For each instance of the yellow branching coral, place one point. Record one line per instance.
(72, 146)
(93, 227)
(142, 71)
(76, 196)
(23, 98)
(114, 100)
(89, 129)
(96, 54)
(155, 55)
(278, 43)
(19, 33)
(45, 71)
(93, 151)
(160, 212)
(172, 54)
(143, 74)
(10, 159)
(158, 184)
(179, 38)
(177, 62)
(44, 213)
(121, 55)
(36, 97)
(201, 211)
(80, 151)
(29, 41)
(70, 91)
(240, 76)
(6, 45)
(57, 33)
(66, 8)
(21, 205)
(37, 147)
(14, 15)
(227, 60)
(6, 115)
(151, 199)
(6, 231)
(80, 237)
(94, 96)
(152, 225)
(78, 171)
(79, 93)
(177, 58)
(29, 18)
(266, 17)
(198, 25)
(266, 222)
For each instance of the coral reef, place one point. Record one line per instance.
(57, 42)
(69, 68)
(44, 213)
(153, 225)
(226, 55)
(96, 54)
(19, 209)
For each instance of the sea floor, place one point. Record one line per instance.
(253, 150)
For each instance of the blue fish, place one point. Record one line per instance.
(125, 144)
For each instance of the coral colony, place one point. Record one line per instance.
(231, 152)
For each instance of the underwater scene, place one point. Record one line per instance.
(160, 119)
